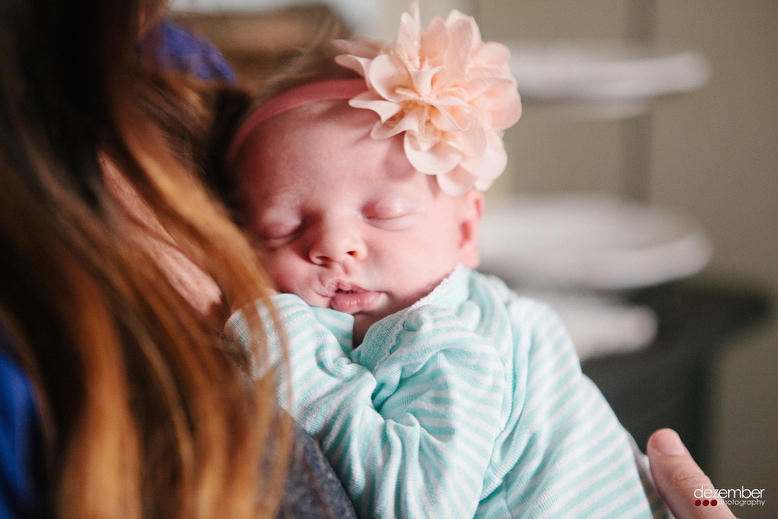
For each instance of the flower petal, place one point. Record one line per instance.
(422, 80)
(434, 42)
(455, 16)
(370, 101)
(456, 182)
(482, 184)
(478, 84)
(360, 46)
(386, 76)
(474, 140)
(435, 161)
(409, 123)
(493, 53)
(506, 110)
(450, 119)
(460, 39)
(358, 64)
(409, 32)
(492, 162)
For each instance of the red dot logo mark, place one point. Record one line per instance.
(713, 502)
(697, 502)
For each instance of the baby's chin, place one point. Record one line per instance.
(362, 321)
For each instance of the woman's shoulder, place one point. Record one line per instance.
(312, 490)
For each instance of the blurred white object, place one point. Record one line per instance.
(589, 241)
(607, 79)
(599, 324)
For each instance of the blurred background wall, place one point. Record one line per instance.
(711, 153)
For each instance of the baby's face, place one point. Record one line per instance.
(347, 223)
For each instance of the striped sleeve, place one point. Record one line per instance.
(568, 454)
(411, 433)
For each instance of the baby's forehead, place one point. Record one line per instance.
(313, 140)
(325, 120)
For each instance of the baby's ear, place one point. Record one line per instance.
(472, 211)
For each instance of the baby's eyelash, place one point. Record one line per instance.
(387, 210)
(276, 242)
(277, 237)
(387, 216)
(396, 222)
(273, 238)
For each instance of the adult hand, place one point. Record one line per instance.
(677, 476)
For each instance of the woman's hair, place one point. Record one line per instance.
(143, 411)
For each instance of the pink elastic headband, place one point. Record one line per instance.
(329, 90)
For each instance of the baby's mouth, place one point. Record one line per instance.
(352, 299)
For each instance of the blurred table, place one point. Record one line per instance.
(669, 384)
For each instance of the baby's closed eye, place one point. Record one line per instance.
(391, 213)
(276, 233)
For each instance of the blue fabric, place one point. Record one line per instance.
(172, 47)
(20, 444)
(312, 490)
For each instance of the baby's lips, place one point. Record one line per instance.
(352, 302)
(339, 285)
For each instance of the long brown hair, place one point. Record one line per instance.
(144, 413)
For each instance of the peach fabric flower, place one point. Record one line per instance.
(449, 92)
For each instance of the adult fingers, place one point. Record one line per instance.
(677, 477)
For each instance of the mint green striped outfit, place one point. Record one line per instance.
(470, 403)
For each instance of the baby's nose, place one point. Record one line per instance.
(337, 244)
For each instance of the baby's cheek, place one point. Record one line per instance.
(282, 272)
(290, 276)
